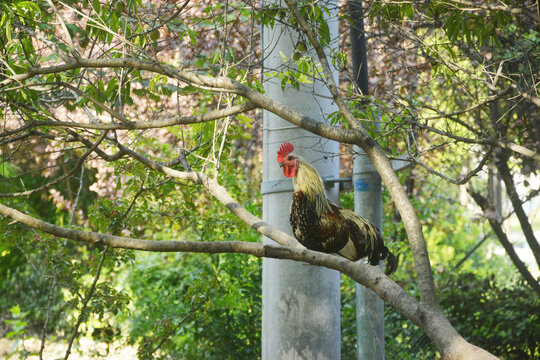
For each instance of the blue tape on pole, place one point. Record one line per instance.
(361, 185)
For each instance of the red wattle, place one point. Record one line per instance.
(289, 171)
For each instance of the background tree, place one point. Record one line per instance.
(123, 122)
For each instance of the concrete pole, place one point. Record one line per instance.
(367, 203)
(301, 303)
(369, 307)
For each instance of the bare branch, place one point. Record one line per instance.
(519, 150)
(491, 142)
(471, 251)
(131, 125)
(517, 204)
(479, 6)
(463, 179)
(77, 197)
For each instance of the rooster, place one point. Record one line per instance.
(321, 225)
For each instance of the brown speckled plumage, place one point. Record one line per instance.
(321, 225)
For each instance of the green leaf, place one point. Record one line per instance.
(15, 310)
(409, 10)
(324, 33)
(7, 170)
(193, 36)
(96, 5)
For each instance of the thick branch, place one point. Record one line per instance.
(363, 273)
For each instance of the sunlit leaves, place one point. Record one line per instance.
(271, 13)
(301, 69)
(17, 19)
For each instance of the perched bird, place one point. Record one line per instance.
(321, 225)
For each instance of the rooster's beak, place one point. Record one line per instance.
(282, 165)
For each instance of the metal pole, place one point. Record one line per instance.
(301, 303)
(367, 203)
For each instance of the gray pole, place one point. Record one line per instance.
(369, 307)
(367, 203)
(301, 303)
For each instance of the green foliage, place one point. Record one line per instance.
(209, 306)
(306, 70)
(18, 325)
(25, 279)
(205, 306)
(503, 319)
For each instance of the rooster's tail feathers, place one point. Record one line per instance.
(391, 261)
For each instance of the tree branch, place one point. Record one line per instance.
(85, 304)
(384, 168)
(431, 319)
(128, 124)
(506, 176)
(472, 5)
(221, 194)
(471, 251)
(482, 202)
(462, 179)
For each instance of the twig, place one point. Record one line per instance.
(477, 6)
(85, 304)
(81, 181)
(472, 250)
(462, 179)
(64, 27)
(182, 320)
(49, 304)
(60, 178)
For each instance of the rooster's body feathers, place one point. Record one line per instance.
(321, 225)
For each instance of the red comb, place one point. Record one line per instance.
(285, 149)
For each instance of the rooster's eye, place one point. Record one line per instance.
(289, 158)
